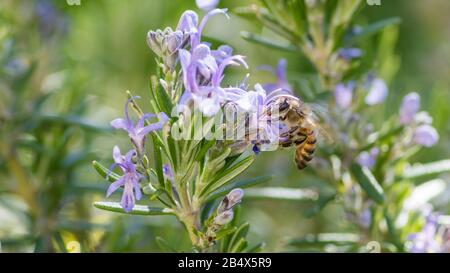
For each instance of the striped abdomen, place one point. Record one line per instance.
(305, 149)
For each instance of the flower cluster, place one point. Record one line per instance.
(422, 132)
(203, 71)
(433, 238)
(131, 177)
(188, 171)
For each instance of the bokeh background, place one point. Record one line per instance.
(64, 73)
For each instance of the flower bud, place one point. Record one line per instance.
(343, 94)
(188, 22)
(410, 106)
(224, 218)
(206, 5)
(367, 159)
(377, 93)
(233, 198)
(165, 43)
(425, 135)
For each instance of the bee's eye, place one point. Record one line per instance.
(283, 106)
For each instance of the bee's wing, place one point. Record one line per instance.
(318, 113)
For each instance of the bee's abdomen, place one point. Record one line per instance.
(305, 150)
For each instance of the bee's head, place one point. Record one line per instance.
(283, 106)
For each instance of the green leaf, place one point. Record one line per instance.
(257, 248)
(255, 38)
(324, 239)
(376, 27)
(103, 172)
(237, 237)
(71, 121)
(158, 160)
(392, 231)
(432, 168)
(323, 201)
(382, 137)
(368, 182)
(228, 174)
(164, 245)
(239, 246)
(238, 184)
(225, 231)
(282, 193)
(137, 209)
(161, 97)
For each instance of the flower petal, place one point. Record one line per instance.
(120, 123)
(127, 202)
(410, 106)
(206, 5)
(188, 22)
(117, 156)
(142, 120)
(426, 135)
(114, 186)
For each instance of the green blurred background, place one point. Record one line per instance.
(101, 51)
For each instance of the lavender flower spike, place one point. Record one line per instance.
(425, 135)
(129, 180)
(410, 106)
(138, 132)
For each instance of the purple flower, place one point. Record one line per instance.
(377, 93)
(343, 94)
(139, 131)
(129, 180)
(368, 159)
(202, 75)
(280, 73)
(225, 209)
(222, 52)
(189, 24)
(207, 5)
(50, 19)
(410, 106)
(365, 218)
(425, 135)
(425, 240)
(349, 53)
(262, 130)
(233, 198)
(198, 67)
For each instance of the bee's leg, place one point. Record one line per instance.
(286, 143)
(291, 133)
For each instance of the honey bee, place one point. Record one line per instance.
(301, 128)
